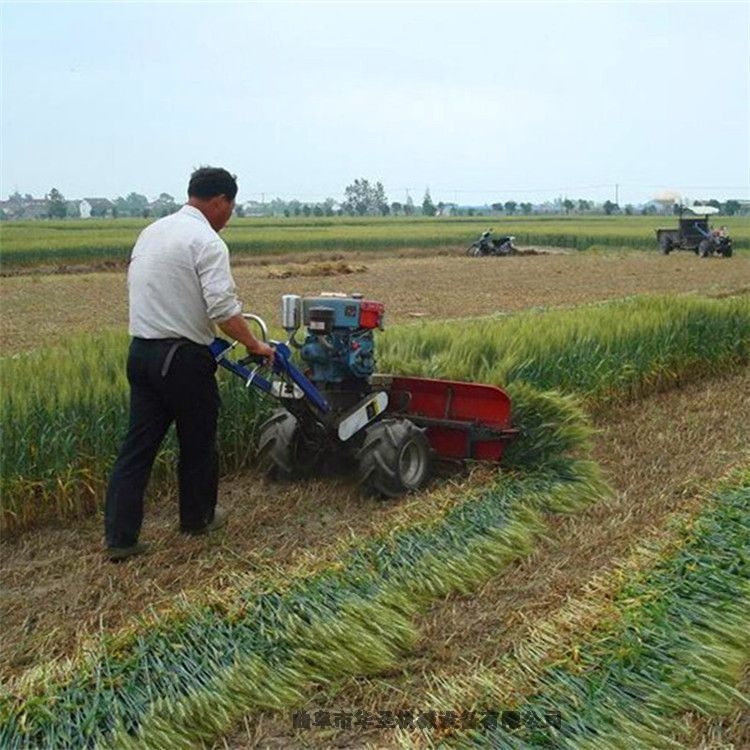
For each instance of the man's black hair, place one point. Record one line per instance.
(208, 182)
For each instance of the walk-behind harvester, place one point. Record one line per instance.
(338, 411)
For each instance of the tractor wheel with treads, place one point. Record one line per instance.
(394, 459)
(284, 452)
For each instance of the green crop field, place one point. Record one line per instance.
(59, 435)
(84, 241)
(589, 591)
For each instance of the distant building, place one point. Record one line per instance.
(25, 208)
(253, 208)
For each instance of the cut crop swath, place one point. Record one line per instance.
(679, 644)
(170, 687)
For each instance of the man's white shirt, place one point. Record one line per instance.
(179, 280)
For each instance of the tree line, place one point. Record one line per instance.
(361, 198)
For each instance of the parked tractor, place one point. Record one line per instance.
(335, 410)
(694, 233)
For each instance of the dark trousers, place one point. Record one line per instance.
(170, 380)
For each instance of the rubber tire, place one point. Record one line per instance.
(665, 245)
(281, 453)
(394, 459)
(704, 248)
(475, 251)
(727, 250)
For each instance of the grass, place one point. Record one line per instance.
(84, 241)
(181, 682)
(674, 639)
(63, 421)
(60, 434)
(603, 353)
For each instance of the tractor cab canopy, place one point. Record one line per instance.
(701, 210)
(694, 222)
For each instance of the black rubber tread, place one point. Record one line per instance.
(665, 245)
(704, 248)
(378, 459)
(280, 454)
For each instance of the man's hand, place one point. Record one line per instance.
(261, 349)
(238, 329)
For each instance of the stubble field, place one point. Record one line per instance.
(36, 310)
(495, 643)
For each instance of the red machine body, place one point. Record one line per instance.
(462, 420)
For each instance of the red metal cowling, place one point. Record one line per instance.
(463, 420)
(371, 314)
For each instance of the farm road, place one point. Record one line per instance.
(38, 309)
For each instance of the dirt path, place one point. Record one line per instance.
(35, 310)
(657, 453)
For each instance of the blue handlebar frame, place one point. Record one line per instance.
(282, 365)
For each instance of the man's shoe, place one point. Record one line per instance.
(115, 554)
(219, 520)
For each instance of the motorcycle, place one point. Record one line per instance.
(489, 245)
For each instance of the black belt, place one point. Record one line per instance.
(172, 344)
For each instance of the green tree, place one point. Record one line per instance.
(396, 208)
(120, 207)
(362, 198)
(510, 207)
(58, 209)
(732, 207)
(497, 207)
(137, 204)
(568, 205)
(584, 205)
(357, 197)
(379, 200)
(527, 208)
(610, 208)
(428, 207)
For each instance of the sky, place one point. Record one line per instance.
(480, 102)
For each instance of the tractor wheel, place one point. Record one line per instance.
(726, 251)
(704, 249)
(665, 245)
(475, 250)
(394, 458)
(284, 452)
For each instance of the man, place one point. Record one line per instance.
(180, 286)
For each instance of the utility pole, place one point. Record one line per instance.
(617, 194)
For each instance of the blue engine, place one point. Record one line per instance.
(339, 343)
